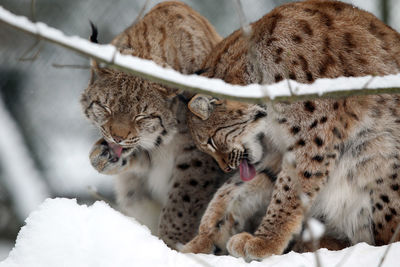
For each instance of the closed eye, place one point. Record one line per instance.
(141, 117)
(211, 144)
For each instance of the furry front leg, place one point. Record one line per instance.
(210, 231)
(291, 199)
(237, 207)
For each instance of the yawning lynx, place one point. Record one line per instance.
(145, 137)
(341, 156)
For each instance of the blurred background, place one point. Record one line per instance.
(44, 137)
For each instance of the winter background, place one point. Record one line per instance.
(45, 139)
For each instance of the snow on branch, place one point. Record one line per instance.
(285, 90)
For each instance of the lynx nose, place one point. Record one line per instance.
(117, 139)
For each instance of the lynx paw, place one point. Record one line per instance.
(105, 160)
(199, 244)
(250, 247)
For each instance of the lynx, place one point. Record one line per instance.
(145, 136)
(339, 158)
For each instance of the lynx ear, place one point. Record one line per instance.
(202, 106)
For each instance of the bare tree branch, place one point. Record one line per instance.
(70, 66)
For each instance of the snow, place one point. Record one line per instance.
(20, 177)
(170, 77)
(63, 233)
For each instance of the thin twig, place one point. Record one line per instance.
(25, 56)
(346, 256)
(394, 236)
(141, 12)
(70, 66)
(33, 10)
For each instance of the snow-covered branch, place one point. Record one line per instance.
(285, 90)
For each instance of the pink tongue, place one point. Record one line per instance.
(247, 171)
(116, 148)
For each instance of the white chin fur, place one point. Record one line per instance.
(251, 142)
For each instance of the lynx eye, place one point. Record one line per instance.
(211, 144)
(141, 117)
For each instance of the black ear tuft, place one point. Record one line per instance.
(93, 37)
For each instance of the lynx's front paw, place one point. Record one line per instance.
(251, 247)
(199, 244)
(107, 159)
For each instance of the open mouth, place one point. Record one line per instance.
(247, 170)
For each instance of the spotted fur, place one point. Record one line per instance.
(341, 156)
(159, 168)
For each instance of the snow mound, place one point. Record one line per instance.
(63, 233)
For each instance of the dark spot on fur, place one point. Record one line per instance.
(295, 130)
(274, 21)
(305, 26)
(348, 40)
(307, 174)
(271, 40)
(176, 185)
(292, 76)
(297, 39)
(393, 211)
(282, 121)
(259, 115)
(124, 161)
(328, 61)
(394, 176)
(318, 141)
(318, 158)
(309, 106)
(395, 187)
(301, 142)
(239, 183)
(379, 206)
(286, 188)
(337, 133)
(310, 77)
(326, 19)
(206, 183)
(379, 181)
(385, 198)
(388, 217)
(158, 141)
(278, 201)
(314, 124)
(193, 182)
(323, 120)
(197, 163)
(335, 105)
(319, 174)
(180, 214)
(278, 77)
(186, 198)
(183, 166)
(189, 148)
